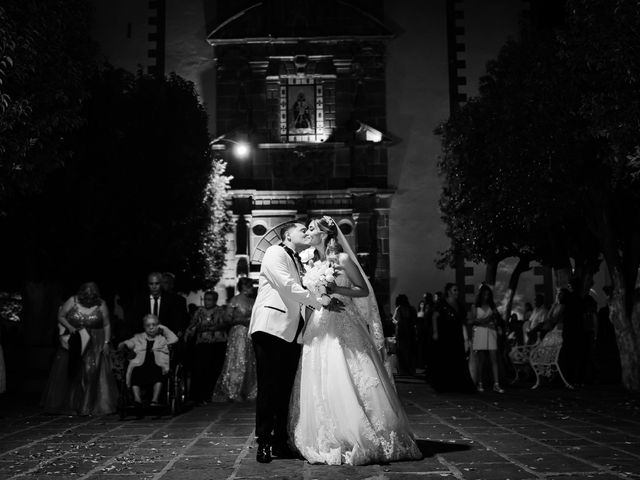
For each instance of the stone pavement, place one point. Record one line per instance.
(547, 434)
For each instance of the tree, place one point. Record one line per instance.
(45, 60)
(138, 194)
(545, 161)
(499, 198)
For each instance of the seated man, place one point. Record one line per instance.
(151, 361)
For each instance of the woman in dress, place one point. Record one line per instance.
(238, 381)
(485, 337)
(344, 406)
(209, 329)
(81, 381)
(452, 373)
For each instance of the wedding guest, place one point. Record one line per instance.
(427, 343)
(151, 363)
(81, 380)
(452, 374)
(574, 342)
(533, 325)
(170, 310)
(590, 332)
(515, 328)
(422, 330)
(607, 355)
(485, 337)
(209, 330)
(238, 381)
(555, 317)
(181, 311)
(404, 318)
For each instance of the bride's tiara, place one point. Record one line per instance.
(328, 220)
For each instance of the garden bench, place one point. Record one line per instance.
(544, 357)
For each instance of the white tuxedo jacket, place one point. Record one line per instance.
(281, 298)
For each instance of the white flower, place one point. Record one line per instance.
(322, 289)
(330, 278)
(329, 271)
(325, 301)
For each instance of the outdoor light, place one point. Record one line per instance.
(240, 149)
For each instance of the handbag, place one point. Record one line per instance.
(64, 336)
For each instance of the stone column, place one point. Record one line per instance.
(382, 255)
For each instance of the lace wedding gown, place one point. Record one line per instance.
(344, 406)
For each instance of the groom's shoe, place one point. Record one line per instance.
(282, 451)
(263, 455)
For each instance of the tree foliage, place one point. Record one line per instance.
(544, 162)
(45, 60)
(138, 194)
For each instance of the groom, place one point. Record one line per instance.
(276, 321)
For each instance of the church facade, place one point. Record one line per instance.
(303, 85)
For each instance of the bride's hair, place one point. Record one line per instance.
(332, 247)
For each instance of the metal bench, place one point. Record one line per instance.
(544, 357)
(519, 356)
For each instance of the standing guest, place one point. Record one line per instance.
(515, 328)
(421, 332)
(427, 344)
(485, 337)
(209, 330)
(171, 311)
(590, 332)
(81, 382)
(151, 362)
(573, 352)
(238, 381)
(607, 356)
(555, 317)
(180, 303)
(405, 319)
(452, 372)
(538, 316)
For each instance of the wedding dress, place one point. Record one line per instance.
(344, 406)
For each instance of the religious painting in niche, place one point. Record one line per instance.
(301, 110)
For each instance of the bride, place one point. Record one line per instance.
(344, 406)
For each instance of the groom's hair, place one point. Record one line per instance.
(285, 228)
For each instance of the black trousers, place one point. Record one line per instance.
(276, 362)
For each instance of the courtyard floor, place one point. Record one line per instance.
(550, 433)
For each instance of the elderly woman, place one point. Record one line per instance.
(81, 381)
(151, 361)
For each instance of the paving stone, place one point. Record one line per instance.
(555, 433)
(493, 471)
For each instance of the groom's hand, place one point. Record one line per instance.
(335, 305)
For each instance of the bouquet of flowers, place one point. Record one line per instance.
(316, 279)
(10, 306)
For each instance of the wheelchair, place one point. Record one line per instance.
(173, 394)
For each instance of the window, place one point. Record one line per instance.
(301, 109)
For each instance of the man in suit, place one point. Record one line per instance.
(170, 311)
(276, 321)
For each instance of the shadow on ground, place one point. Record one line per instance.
(430, 448)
